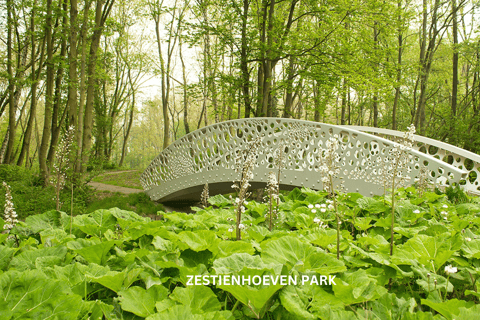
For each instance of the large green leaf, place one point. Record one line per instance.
(28, 259)
(95, 223)
(322, 263)
(227, 248)
(427, 249)
(140, 301)
(253, 298)
(200, 299)
(238, 261)
(29, 295)
(449, 309)
(180, 312)
(6, 254)
(219, 200)
(199, 240)
(371, 205)
(117, 281)
(357, 287)
(322, 238)
(388, 307)
(287, 250)
(92, 251)
(304, 300)
(49, 220)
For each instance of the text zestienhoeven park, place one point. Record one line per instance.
(266, 280)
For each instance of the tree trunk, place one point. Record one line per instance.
(243, 62)
(11, 85)
(101, 15)
(42, 154)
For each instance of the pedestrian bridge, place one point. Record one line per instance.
(179, 173)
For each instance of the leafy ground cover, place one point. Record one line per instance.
(115, 264)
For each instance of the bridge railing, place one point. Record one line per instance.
(208, 155)
(455, 156)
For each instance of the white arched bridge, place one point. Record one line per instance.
(179, 173)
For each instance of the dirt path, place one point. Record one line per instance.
(108, 187)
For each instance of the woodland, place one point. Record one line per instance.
(130, 77)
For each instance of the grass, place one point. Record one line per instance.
(127, 179)
(138, 202)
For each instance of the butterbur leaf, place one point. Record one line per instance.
(27, 259)
(219, 200)
(49, 220)
(199, 240)
(322, 263)
(357, 287)
(253, 298)
(389, 307)
(93, 253)
(371, 205)
(112, 280)
(6, 254)
(180, 312)
(322, 238)
(296, 301)
(449, 309)
(287, 250)
(425, 249)
(238, 261)
(227, 248)
(200, 299)
(140, 301)
(29, 295)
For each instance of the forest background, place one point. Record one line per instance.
(132, 76)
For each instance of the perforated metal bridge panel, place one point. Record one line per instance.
(458, 157)
(179, 173)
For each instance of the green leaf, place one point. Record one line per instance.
(227, 248)
(28, 259)
(449, 309)
(254, 298)
(93, 253)
(198, 241)
(236, 262)
(29, 295)
(371, 205)
(428, 249)
(6, 255)
(322, 263)
(357, 287)
(322, 238)
(140, 301)
(117, 281)
(296, 301)
(95, 223)
(389, 307)
(219, 200)
(200, 299)
(287, 250)
(49, 220)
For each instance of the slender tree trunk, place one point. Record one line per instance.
(33, 100)
(454, 69)
(81, 105)
(397, 86)
(56, 125)
(11, 85)
(42, 154)
(185, 95)
(344, 101)
(243, 62)
(101, 14)
(72, 68)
